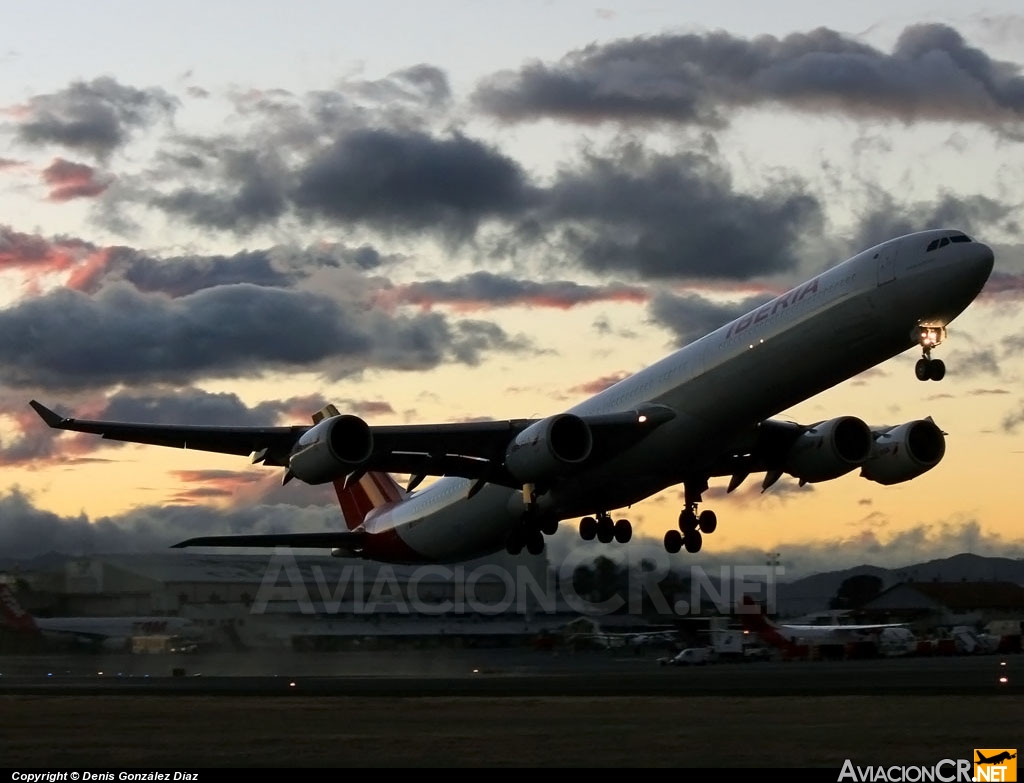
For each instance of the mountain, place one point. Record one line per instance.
(812, 593)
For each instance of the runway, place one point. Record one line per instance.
(496, 673)
(436, 708)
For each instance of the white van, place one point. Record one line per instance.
(691, 656)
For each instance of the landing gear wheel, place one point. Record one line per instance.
(922, 369)
(535, 543)
(687, 520)
(588, 528)
(623, 531)
(605, 530)
(936, 369)
(673, 541)
(514, 543)
(693, 541)
(708, 521)
(549, 527)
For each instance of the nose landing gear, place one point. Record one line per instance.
(927, 368)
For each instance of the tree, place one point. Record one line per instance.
(855, 591)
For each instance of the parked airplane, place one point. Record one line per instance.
(585, 630)
(786, 636)
(701, 412)
(107, 633)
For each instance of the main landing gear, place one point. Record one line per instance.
(691, 524)
(605, 530)
(927, 368)
(533, 526)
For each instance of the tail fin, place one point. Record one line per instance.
(358, 498)
(754, 620)
(14, 616)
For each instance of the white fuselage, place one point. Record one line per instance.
(115, 627)
(844, 321)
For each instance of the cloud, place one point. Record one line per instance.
(661, 216)
(68, 180)
(691, 316)
(400, 181)
(66, 339)
(27, 531)
(95, 117)
(598, 385)
(483, 290)
(919, 543)
(931, 74)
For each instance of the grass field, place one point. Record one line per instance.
(62, 732)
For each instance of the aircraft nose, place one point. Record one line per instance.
(982, 260)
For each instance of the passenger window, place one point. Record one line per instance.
(932, 245)
(944, 242)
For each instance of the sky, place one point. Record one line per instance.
(454, 211)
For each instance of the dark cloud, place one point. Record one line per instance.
(68, 180)
(253, 191)
(27, 531)
(930, 74)
(888, 218)
(35, 255)
(68, 340)
(1013, 420)
(407, 181)
(974, 362)
(690, 317)
(481, 290)
(95, 117)
(675, 216)
(182, 275)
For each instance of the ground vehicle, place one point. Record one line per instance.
(691, 656)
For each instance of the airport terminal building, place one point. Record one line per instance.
(286, 600)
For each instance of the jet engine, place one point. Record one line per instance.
(115, 644)
(548, 448)
(829, 450)
(331, 449)
(905, 452)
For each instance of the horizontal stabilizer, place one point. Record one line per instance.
(347, 538)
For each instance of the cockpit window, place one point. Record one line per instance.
(936, 243)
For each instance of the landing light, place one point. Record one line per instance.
(291, 685)
(642, 418)
(1003, 680)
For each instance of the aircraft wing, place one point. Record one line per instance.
(473, 450)
(348, 538)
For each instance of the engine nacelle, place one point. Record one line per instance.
(905, 452)
(830, 449)
(331, 449)
(549, 448)
(116, 644)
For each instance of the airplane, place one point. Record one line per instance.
(996, 759)
(702, 412)
(591, 632)
(788, 636)
(106, 633)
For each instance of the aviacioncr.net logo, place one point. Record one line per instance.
(945, 771)
(995, 764)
